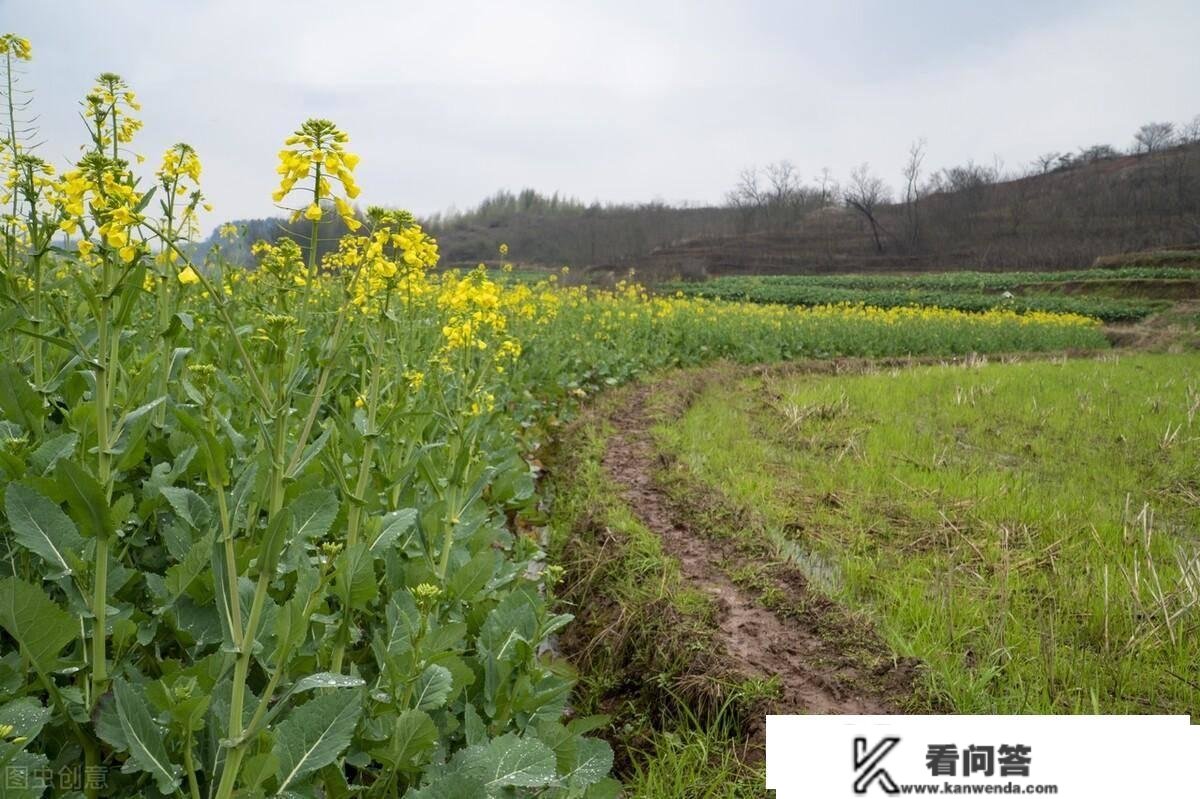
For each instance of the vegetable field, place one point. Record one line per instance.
(966, 291)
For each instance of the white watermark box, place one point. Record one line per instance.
(1067, 756)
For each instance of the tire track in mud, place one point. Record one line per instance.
(810, 670)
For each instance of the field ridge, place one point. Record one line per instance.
(812, 670)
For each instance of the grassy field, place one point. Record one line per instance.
(1124, 294)
(1028, 531)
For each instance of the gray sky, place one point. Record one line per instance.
(617, 100)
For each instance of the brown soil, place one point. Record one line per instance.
(1173, 330)
(809, 668)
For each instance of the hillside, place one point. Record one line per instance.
(966, 217)
(1065, 219)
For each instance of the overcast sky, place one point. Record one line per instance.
(615, 100)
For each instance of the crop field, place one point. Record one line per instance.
(1111, 295)
(352, 524)
(1026, 530)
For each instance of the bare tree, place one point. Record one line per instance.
(748, 197)
(1097, 152)
(1154, 136)
(966, 177)
(747, 192)
(865, 193)
(912, 192)
(1047, 162)
(1190, 133)
(827, 187)
(772, 198)
(786, 196)
(782, 180)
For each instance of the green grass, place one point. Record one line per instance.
(1028, 530)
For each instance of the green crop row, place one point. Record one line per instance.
(955, 291)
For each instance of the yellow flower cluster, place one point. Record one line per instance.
(906, 313)
(99, 189)
(13, 46)
(179, 162)
(179, 177)
(392, 260)
(283, 260)
(110, 106)
(472, 305)
(316, 150)
(27, 176)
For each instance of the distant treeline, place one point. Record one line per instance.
(552, 230)
(1061, 210)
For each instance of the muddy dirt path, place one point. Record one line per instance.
(763, 644)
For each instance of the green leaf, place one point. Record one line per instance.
(595, 760)
(25, 775)
(26, 716)
(188, 506)
(165, 474)
(473, 726)
(243, 489)
(19, 402)
(415, 736)
(133, 425)
(310, 452)
(607, 788)
(509, 761)
(469, 579)
(179, 321)
(451, 786)
(212, 454)
(52, 449)
(290, 628)
(393, 525)
(433, 686)
(181, 575)
(313, 513)
(86, 499)
(41, 627)
(273, 543)
(143, 737)
(40, 526)
(511, 622)
(325, 679)
(354, 576)
(586, 724)
(257, 770)
(107, 725)
(141, 206)
(314, 735)
(222, 597)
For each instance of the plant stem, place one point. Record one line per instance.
(39, 376)
(164, 313)
(241, 669)
(11, 241)
(190, 767)
(100, 581)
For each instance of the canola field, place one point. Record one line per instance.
(274, 531)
